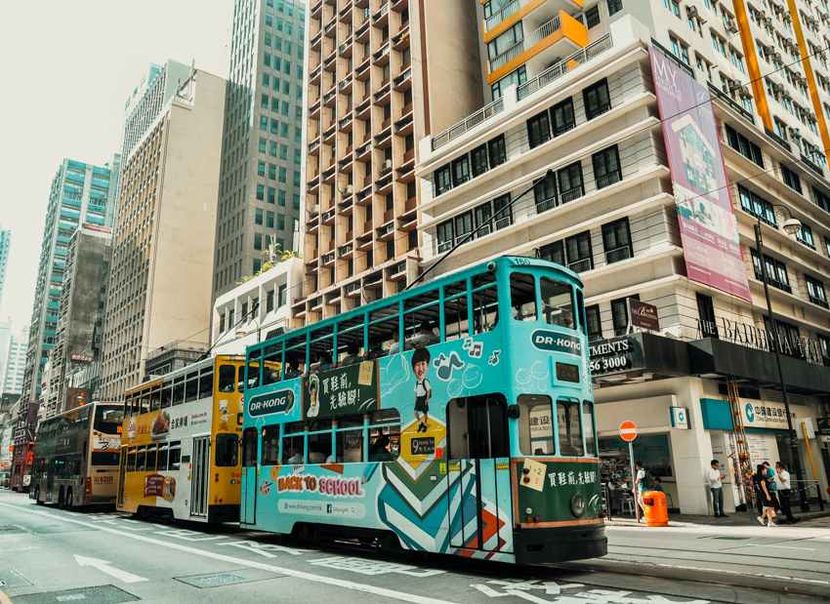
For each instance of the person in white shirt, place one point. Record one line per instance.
(714, 478)
(782, 481)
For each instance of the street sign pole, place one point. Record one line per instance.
(633, 480)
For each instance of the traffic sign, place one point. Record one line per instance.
(628, 431)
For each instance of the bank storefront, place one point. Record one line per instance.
(676, 392)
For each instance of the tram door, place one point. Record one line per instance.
(200, 474)
(478, 471)
(249, 476)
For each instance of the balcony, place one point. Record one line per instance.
(361, 34)
(352, 289)
(381, 55)
(330, 97)
(381, 15)
(363, 150)
(362, 108)
(363, 70)
(328, 173)
(345, 49)
(364, 196)
(328, 216)
(384, 180)
(403, 81)
(474, 119)
(404, 125)
(345, 85)
(327, 258)
(401, 39)
(345, 14)
(397, 271)
(542, 46)
(381, 96)
(387, 231)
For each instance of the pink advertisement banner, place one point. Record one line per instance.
(708, 228)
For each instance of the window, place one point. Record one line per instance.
(456, 317)
(679, 48)
(270, 445)
(571, 186)
(227, 378)
(348, 438)
(523, 296)
(569, 420)
(805, 236)
(757, 206)
(790, 178)
(442, 180)
(776, 271)
(538, 129)
(485, 303)
(504, 42)
(536, 425)
(593, 321)
(460, 170)
(744, 146)
(596, 98)
(319, 441)
(384, 435)
(444, 234)
(497, 151)
(384, 337)
(249, 447)
(293, 443)
(588, 428)
(592, 17)
(614, 6)
(822, 199)
(616, 240)
(578, 252)
(518, 77)
(815, 291)
(478, 159)
(544, 192)
(562, 116)
(607, 169)
(227, 450)
(619, 315)
(557, 303)
(174, 455)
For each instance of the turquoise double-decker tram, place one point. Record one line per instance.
(455, 417)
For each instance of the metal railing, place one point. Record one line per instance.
(472, 120)
(499, 16)
(538, 34)
(554, 72)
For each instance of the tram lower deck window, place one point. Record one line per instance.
(536, 425)
(570, 428)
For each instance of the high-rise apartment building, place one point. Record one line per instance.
(381, 75)
(78, 337)
(261, 177)
(598, 148)
(159, 287)
(15, 363)
(5, 244)
(80, 194)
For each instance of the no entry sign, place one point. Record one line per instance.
(628, 431)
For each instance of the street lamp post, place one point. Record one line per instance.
(791, 226)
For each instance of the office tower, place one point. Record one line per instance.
(159, 287)
(5, 243)
(15, 363)
(259, 190)
(382, 74)
(78, 337)
(80, 194)
(640, 144)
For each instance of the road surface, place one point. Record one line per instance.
(52, 555)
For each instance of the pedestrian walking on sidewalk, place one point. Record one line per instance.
(714, 478)
(761, 482)
(782, 480)
(773, 486)
(639, 486)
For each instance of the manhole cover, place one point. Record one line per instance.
(100, 594)
(227, 578)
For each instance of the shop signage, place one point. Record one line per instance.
(281, 401)
(616, 355)
(545, 339)
(643, 315)
(343, 391)
(679, 418)
(763, 414)
(747, 334)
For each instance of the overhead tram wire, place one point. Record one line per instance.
(642, 130)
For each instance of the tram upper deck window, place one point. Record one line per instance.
(485, 302)
(178, 390)
(272, 366)
(321, 348)
(227, 378)
(536, 425)
(421, 320)
(295, 360)
(383, 332)
(570, 428)
(166, 395)
(350, 345)
(191, 387)
(557, 303)
(523, 296)
(206, 383)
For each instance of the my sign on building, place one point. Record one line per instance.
(763, 414)
(643, 315)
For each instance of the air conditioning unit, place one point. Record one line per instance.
(349, 190)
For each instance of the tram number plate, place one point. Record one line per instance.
(423, 446)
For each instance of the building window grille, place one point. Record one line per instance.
(607, 169)
(616, 239)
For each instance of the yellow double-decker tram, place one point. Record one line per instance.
(180, 443)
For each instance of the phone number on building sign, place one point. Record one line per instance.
(609, 364)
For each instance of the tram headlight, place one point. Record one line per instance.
(578, 505)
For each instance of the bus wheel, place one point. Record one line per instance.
(67, 500)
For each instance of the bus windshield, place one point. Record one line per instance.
(108, 419)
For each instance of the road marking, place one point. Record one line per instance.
(109, 569)
(805, 549)
(343, 583)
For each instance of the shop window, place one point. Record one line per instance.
(536, 425)
(569, 421)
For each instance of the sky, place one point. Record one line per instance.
(67, 68)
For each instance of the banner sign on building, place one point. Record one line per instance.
(643, 315)
(708, 228)
(763, 414)
(616, 355)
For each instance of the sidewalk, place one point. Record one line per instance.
(734, 519)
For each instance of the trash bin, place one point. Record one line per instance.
(655, 510)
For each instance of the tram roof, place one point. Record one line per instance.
(503, 261)
(207, 362)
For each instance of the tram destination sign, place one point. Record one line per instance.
(616, 355)
(269, 403)
(348, 390)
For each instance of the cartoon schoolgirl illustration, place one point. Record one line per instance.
(423, 390)
(313, 395)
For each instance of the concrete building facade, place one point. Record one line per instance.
(381, 75)
(80, 194)
(5, 245)
(567, 162)
(162, 250)
(78, 338)
(261, 176)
